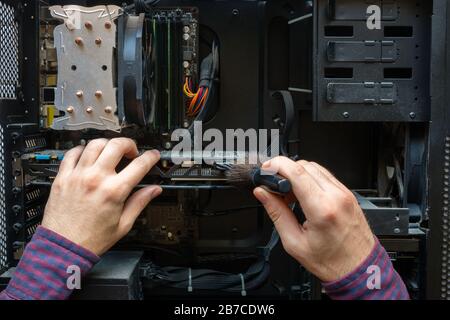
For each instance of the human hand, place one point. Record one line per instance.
(335, 238)
(90, 202)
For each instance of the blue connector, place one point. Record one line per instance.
(43, 157)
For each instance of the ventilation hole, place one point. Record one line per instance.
(9, 52)
(338, 73)
(3, 222)
(397, 73)
(398, 32)
(338, 31)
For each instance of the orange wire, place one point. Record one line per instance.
(194, 101)
(202, 102)
(202, 92)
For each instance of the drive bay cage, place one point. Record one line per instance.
(369, 103)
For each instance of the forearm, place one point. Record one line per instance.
(374, 279)
(45, 267)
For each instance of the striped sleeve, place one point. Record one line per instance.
(374, 279)
(46, 265)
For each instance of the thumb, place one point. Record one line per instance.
(134, 206)
(285, 222)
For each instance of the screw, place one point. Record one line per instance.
(170, 235)
(70, 109)
(17, 245)
(17, 227)
(412, 115)
(235, 12)
(346, 115)
(79, 94)
(108, 25)
(108, 109)
(167, 145)
(16, 190)
(89, 109)
(88, 25)
(98, 41)
(16, 154)
(98, 93)
(79, 41)
(186, 64)
(396, 230)
(16, 209)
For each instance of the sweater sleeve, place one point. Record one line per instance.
(374, 279)
(46, 265)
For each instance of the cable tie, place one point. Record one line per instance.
(243, 292)
(190, 289)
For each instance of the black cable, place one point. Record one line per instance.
(209, 73)
(203, 279)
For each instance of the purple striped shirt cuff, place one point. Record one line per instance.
(43, 271)
(374, 279)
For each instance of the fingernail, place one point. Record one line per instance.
(157, 192)
(156, 153)
(267, 164)
(260, 194)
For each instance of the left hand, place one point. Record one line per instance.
(90, 202)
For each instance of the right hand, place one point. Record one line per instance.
(90, 203)
(335, 238)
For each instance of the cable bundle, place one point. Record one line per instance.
(198, 99)
(208, 73)
(203, 279)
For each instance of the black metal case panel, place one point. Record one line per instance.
(438, 252)
(364, 74)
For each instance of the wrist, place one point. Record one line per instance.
(349, 260)
(72, 235)
(65, 242)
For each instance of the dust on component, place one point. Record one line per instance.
(85, 44)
